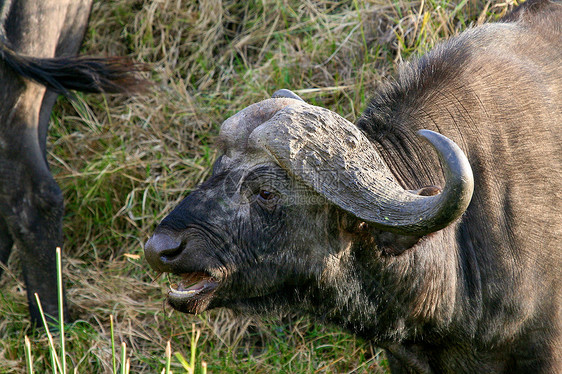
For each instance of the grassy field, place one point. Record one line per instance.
(123, 163)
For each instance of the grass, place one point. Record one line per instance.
(59, 357)
(123, 163)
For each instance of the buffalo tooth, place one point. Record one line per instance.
(183, 292)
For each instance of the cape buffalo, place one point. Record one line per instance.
(37, 41)
(448, 256)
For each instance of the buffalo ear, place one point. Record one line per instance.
(391, 244)
(388, 243)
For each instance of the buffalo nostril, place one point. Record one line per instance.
(165, 245)
(159, 248)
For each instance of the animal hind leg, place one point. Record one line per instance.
(35, 224)
(39, 250)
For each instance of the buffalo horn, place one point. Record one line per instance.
(334, 158)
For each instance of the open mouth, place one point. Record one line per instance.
(193, 293)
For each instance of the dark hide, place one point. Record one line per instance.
(483, 294)
(38, 40)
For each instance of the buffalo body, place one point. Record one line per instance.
(449, 256)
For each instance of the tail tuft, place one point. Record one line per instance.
(84, 74)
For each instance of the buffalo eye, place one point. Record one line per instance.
(266, 195)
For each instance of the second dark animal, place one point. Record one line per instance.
(38, 44)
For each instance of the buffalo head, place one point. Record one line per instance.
(295, 185)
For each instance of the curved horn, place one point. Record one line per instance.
(333, 157)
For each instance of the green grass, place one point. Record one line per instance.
(58, 352)
(124, 163)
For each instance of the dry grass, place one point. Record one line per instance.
(123, 163)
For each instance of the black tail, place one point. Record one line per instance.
(85, 74)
